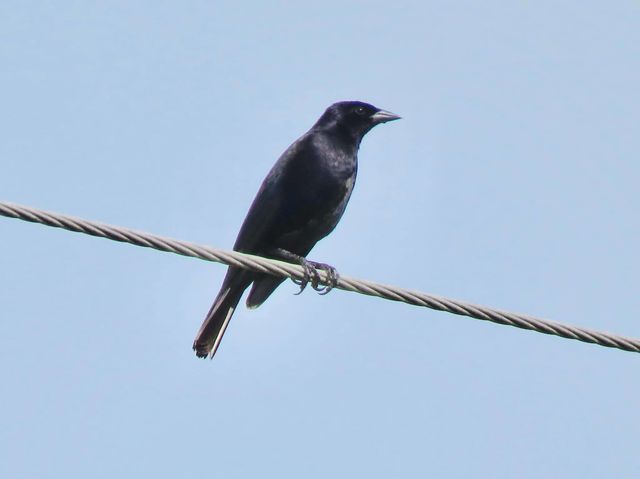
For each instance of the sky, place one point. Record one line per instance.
(511, 182)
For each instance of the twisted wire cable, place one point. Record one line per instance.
(279, 268)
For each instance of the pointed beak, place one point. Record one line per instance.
(383, 116)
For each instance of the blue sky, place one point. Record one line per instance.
(510, 182)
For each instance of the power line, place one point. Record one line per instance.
(279, 268)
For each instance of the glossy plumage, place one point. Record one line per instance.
(300, 202)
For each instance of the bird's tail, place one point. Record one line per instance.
(215, 324)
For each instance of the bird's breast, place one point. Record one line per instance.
(332, 201)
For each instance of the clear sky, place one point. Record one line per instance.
(511, 181)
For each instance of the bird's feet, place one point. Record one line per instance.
(312, 276)
(332, 277)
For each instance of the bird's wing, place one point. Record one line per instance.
(272, 212)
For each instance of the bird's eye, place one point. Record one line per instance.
(360, 110)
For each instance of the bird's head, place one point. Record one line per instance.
(355, 117)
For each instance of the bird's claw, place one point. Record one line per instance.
(332, 278)
(312, 276)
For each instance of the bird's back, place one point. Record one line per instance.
(302, 198)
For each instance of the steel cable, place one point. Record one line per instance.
(279, 268)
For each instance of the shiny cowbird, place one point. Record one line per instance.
(300, 202)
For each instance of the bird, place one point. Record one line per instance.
(300, 201)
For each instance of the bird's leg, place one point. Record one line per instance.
(310, 273)
(332, 277)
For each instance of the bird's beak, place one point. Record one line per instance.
(383, 116)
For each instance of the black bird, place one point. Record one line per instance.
(300, 202)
